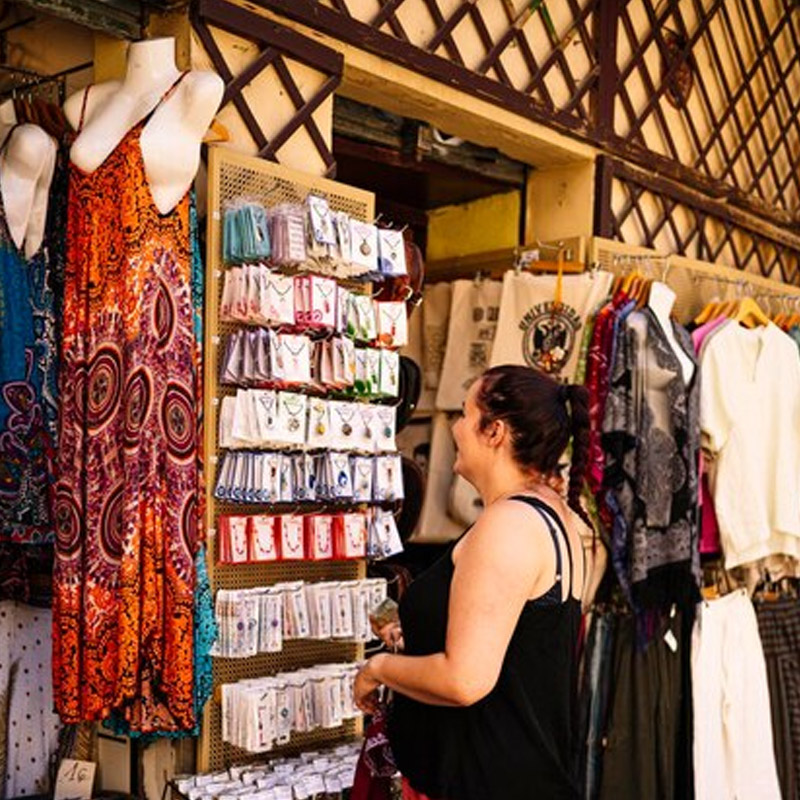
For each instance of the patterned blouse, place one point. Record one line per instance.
(651, 438)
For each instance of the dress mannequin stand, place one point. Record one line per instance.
(661, 301)
(26, 170)
(172, 136)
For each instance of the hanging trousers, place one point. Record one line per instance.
(640, 758)
(733, 754)
(779, 628)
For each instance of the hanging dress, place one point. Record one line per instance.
(127, 496)
(28, 381)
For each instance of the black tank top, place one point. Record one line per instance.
(518, 743)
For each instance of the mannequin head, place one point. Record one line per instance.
(519, 421)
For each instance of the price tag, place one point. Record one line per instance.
(75, 780)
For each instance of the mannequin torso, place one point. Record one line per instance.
(26, 170)
(660, 302)
(170, 141)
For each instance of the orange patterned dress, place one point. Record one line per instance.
(127, 494)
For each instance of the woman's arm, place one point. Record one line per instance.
(506, 558)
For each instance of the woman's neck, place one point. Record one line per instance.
(506, 480)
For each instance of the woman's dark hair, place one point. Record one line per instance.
(543, 415)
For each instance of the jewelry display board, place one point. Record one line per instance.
(232, 176)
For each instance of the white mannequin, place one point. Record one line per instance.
(171, 139)
(661, 301)
(26, 170)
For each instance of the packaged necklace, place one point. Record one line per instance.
(392, 252)
(364, 244)
(286, 488)
(265, 411)
(244, 427)
(343, 419)
(291, 538)
(319, 213)
(385, 424)
(319, 536)
(318, 600)
(365, 429)
(323, 304)
(342, 308)
(373, 371)
(271, 476)
(361, 320)
(296, 623)
(231, 361)
(319, 424)
(389, 381)
(343, 238)
(388, 478)
(263, 538)
(295, 357)
(350, 536)
(342, 609)
(270, 638)
(287, 225)
(291, 418)
(225, 423)
(342, 478)
(384, 538)
(362, 385)
(221, 489)
(228, 299)
(363, 470)
(392, 324)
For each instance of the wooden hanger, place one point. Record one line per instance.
(216, 133)
(750, 314)
(711, 310)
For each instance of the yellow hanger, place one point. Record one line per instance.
(750, 314)
(709, 311)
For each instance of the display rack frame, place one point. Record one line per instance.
(233, 175)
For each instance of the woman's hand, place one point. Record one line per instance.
(391, 635)
(365, 689)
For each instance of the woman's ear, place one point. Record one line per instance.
(497, 432)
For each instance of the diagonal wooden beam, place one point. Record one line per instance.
(445, 28)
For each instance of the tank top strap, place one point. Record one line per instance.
(166, 96)
(85, 100)
(548, 514)
(7, 140)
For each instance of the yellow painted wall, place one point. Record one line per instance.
(490, 223)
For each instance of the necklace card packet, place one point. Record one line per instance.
(224, 475)
(361, 384)
(291, 538)
(238, 543)
(363, 327)
(384, 538)
(389, 478)
(323, 306)
(363, 471)
(389, 381)
(342, 307)
(373, 362)
(338, 467)
(318, 600)
(350, 535)
(244, 424)
(295, 356)
(364, 247)
(292, 423)
(228, 299)
(279, 300)
(364, 437)
(392, 324)
(321, 219)
(225, 423)
(296, 624)
(385, 426)
(343, 420)
(323, 351)
(231, 372)
(288, 229)
(263, 538)
(392, 252)
(319, 537)
(319, 422)
(266, 478)
(264, 404)
(341, 604)
(270, 623)
(344, 362)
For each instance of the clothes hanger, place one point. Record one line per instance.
(750, 314)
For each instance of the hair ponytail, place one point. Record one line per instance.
(578, 398)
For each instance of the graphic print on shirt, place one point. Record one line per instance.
(549, 333)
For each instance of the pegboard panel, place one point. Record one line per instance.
(233, 176)
(694, 282)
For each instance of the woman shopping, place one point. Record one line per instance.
(485, 689)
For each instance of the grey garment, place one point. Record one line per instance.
(651, 434)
